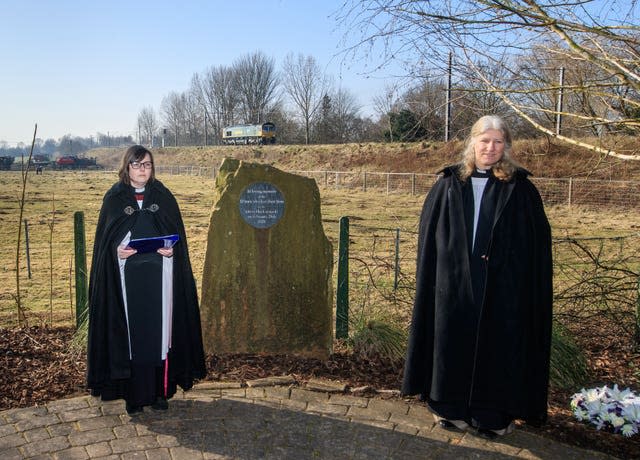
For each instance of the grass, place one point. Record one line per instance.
(374, 217)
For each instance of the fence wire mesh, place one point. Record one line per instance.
(554, 191)
(596, 281)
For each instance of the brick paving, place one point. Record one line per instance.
(268, 419)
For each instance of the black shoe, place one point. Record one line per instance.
(160, 404)
(133, 409)
(446, 424)
(486, 434)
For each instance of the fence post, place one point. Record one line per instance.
(570, 191)
(388, 182)
(413, 183)
(364, 181)
(81, 265)
(397, 261)
(342, 294)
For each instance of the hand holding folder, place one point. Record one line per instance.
(143, 245)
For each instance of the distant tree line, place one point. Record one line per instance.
(301, 99)
(307, 107)
(67, 145)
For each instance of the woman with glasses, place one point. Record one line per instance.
(144, 318)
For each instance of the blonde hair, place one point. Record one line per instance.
(506, 166)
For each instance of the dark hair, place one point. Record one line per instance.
(135, 153)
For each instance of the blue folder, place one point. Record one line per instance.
(143, 245)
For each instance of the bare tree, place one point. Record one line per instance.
(492, 34)
(216, 92)
(147, 124)
(345, 113)
(193, 118)
(305, 83)
(385, 104)
(256, 82)
(173, 114)
(20, 308)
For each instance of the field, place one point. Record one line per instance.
(54, 197)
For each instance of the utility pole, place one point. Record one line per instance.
(447, 116)
(559, 103)
(205, 126)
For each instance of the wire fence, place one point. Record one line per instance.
(596, 282)
(554, 191)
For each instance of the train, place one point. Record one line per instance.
(5, 163)
(40, 160)
(249, 134)
(75, 162)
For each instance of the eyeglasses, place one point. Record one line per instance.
(138, 165)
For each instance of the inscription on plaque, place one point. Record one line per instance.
(261, 204)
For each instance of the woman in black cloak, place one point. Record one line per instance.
(481, 329)
(144, 319)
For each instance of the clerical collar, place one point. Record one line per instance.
(139, 194)
(483, 173)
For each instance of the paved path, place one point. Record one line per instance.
(226, 421)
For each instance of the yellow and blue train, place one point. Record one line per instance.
(249, 134)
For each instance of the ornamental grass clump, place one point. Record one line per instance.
(609, 409)
(568, 366)
(377, 339)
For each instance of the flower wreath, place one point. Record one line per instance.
(609, 409)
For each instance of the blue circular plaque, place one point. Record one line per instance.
(261, 204)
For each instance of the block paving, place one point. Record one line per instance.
(266, 419)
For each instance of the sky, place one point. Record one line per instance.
(83, 67)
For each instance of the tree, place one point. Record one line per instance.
(344, 115)
(305, 83)
(495, 35)
(216, 91)
(173, 114)
(193, 118)
(406, 126)
(385, 104)
(256, 83)
(324, 124)
(147, 124)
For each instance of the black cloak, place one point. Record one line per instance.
(493, 354)
(108, 361)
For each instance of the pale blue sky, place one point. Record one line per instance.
(79, 67)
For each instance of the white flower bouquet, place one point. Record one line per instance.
(608, 409)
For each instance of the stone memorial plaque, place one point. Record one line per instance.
(261, 204)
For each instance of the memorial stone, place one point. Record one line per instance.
(266, 286)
